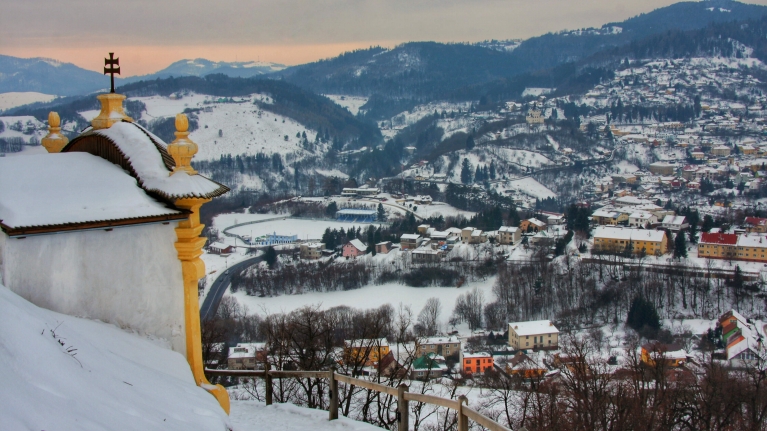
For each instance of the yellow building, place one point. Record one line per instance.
(672, 355)
(536, 334)
(609, 217)
(718, 245)
(365, 351)
(617, 240)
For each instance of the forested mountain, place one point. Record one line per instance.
(312, 110)
(202, 67)
(421, 71)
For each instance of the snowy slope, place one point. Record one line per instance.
(243, 129)
(351, 103)
(14, 99)
(112, 381)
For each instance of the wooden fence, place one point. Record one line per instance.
(401, 392)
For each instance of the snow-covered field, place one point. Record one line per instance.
(370, 296)
(531, 187)
(351, 103)
(305, 229)
(14, 99)
(26, 123)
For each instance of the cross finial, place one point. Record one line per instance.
(114, 64)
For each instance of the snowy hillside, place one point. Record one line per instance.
(244, 129)
(66, 373)
(352, 103)
(14, 99)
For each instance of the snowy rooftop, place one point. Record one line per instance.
(752, 240)
(534, 327)
(359, 245)
(628, 234)
(69, 188)
(143, 151)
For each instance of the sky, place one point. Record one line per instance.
(148, 35)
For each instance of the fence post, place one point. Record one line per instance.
(268, 378)
(333, 409)
(403, 408)
(463, 420)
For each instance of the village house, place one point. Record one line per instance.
(721, 151)
(384, 247)
(642, 219)
(609, 217)
(426, 255)
(409, 241)
(532, 225)
(752, 247)
(246, 356)
(742, 340)
(311, 250)
(662, 168)
(476, 362)
(524, 366)
(672, 355)
(220, 248)
(536, 334)
(354, 248)
(470, 235)
(617, 240)
(428, 366)
(508, 235)
(365, 351)
(756, 224)
(675, 223)
(444, 346)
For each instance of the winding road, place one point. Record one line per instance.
(220, 284)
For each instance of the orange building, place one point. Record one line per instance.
(477, 362)
(671, 354)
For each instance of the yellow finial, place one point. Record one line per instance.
(111, 111)
(54, 141)
(182, 149)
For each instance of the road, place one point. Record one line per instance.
(220, 284)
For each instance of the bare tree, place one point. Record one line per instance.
(428, 318)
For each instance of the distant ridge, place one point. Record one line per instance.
(202, 67)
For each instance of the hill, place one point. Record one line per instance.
(416, 72)
(202, 67)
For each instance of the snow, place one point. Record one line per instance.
(531, 187)
(161, 107)
(14, 99)
(80, 187)
(303, 228)
(143, 156)
(36, 128)
(533, 327)
(370, 296)
(534, 91)
(255, 415)
(351, 103)
(244, 132)
(114, 380)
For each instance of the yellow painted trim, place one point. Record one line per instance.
(189, 247)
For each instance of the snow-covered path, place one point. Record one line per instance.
(255, 415)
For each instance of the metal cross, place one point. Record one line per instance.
(114, 64)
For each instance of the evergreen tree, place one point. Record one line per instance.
(469, 143)
(642, 314)
(332, 209)
(708, 223)
(492, 170)
(478, 175)
(270, 257)
(466, 171)
(381, 213)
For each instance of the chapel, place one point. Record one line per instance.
(107, 226)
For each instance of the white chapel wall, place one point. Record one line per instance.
(130, 276)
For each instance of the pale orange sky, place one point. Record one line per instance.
(148, 35)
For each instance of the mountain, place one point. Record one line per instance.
(203, 67)
(44, 75)
(420, 71)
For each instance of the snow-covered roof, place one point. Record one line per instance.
(477, 355)
(628, 234)
(219, 245)
(534, 327)
(245, 350)
(146, 154)
(367, 342)
(440, 340)
(359, 245)
(508, 229)
(673, 220)
(409, 236)
(752, 240)
(69, 189)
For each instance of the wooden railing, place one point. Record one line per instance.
(460, 405)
